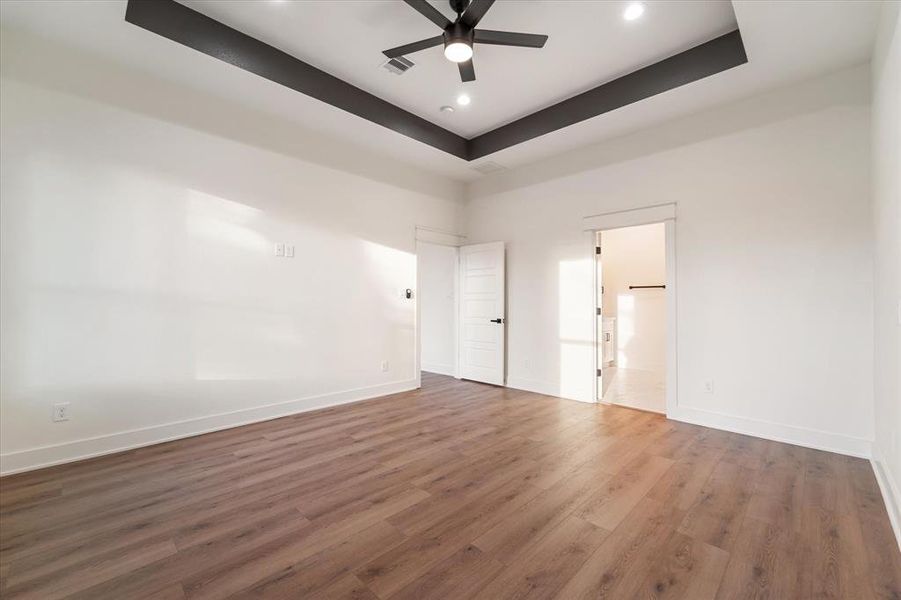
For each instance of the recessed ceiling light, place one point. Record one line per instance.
(447, 109)
(463, 100)
(633, 11)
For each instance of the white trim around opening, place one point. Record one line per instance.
(663, 213)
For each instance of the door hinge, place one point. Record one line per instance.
(599, 311)
(597, 249)
(599, 372)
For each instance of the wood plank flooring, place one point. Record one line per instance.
(457, 490)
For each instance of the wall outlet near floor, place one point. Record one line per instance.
(384, 366)
(61, 411)
(708, 386)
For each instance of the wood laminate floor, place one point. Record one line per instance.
(457, 490)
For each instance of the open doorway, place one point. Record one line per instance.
(632, 316)
(438, 274)
(460, 307)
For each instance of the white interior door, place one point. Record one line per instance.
(482, 315)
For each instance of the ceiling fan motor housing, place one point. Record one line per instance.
(458, 33)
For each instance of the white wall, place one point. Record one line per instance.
(437, 307)
(137, 219)
(887, 231)
(139, 282)
(636, 256)
(773, 259)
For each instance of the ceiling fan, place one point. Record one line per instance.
(460, 35)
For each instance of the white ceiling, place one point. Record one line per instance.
(786, 40)
(589, 43)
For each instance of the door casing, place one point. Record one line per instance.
(662, 213)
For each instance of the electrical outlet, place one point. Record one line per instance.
(279, 249)
(61, 411)
(384, 366)
(708, 386)
(289, 250)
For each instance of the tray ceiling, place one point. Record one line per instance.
(589, 44)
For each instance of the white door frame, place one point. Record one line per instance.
(662, 213)
(430, 235)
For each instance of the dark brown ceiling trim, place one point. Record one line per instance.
(717, 55)
(181, 24)
(195, 30)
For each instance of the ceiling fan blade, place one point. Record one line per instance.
(429, 12)
(475, 11)
(414, 47)
(509, 38)
(467, 72)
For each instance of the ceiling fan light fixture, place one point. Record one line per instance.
(457, 51)
(459, 36)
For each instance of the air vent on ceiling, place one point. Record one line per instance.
(488, 167)
(399, 65)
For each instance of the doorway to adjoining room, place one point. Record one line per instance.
(631, 322)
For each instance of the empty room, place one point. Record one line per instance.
(450, 299)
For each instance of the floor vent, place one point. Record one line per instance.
(399, 65)
(488, 167)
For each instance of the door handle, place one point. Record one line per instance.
(497, 320)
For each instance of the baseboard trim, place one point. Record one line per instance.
(548, 388)
(777, 432)
(439, 369)
(57, 454)
(891, 494)
(632, 407)
(789, 434)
